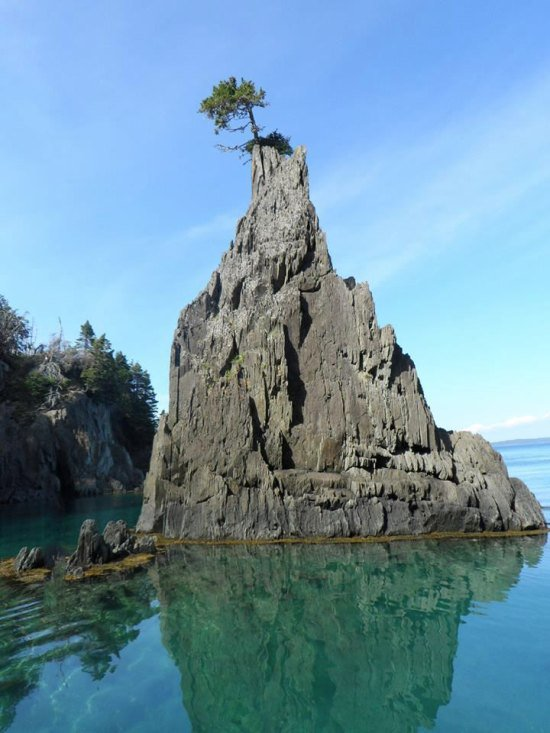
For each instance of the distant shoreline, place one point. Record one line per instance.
(519, 441)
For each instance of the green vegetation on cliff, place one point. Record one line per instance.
(36, 377)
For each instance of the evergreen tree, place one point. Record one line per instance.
(99, 376)
(235, 102)
(122, 373)
(40, 380)
(14, 330)
(87, 337)
(144, 398)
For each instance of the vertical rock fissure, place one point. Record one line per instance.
(296, 388)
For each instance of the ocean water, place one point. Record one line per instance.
(401, 637)
(36, 526)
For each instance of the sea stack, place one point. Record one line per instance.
(293, 414)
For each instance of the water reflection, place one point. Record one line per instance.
(93, 621)
(326, 638)
(279, 638)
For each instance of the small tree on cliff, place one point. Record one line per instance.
(232, 102)
(86, 338)
(14, 330)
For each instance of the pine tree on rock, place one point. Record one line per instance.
(99, 377)
(232, 102)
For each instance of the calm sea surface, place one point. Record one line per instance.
(402, 637)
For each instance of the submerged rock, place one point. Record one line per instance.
(293, 414)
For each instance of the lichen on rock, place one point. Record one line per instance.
(293, 414)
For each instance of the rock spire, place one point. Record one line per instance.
(293, 414)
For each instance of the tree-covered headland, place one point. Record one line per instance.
(40, 377)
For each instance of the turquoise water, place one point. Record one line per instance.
(409, 636)
(530, 461)
(42, 527)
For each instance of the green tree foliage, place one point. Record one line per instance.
(39, 386)
(126, 387)
(231, 106)
(43, 376)
(14, 331)
(99, 377)
(143, 403)
(275, 140)
(87, 336)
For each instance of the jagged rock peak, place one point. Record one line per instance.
(279, 239)
(292, 413)
(271, 171)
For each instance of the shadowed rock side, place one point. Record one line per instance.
(293, 414)
(330, 637)
(68, 451)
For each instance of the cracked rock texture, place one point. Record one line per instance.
(293, 414)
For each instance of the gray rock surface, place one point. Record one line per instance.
(115, 543)
(145, 544)
(293, 414)
(91, 548)
(118, 538)
(68, 451)
(122, 543)
(29, 559)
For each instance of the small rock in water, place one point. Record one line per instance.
(29, 559)
(118, 538)
(91, 549)
(122, 543)
(145, 544)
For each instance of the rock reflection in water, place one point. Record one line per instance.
(326, 637)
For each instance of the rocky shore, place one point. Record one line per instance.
(96, 554)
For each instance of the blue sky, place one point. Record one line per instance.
(427, 125)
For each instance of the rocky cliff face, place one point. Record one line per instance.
(292, 413)
(69, 451)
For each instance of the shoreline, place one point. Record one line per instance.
(163, 542)
(134, 562)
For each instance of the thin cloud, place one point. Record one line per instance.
(420, 199)
(218, 225)
(511, 422)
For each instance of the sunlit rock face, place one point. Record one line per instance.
(326, 637)
(292, 413)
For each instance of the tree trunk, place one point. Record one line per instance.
(253, 126)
